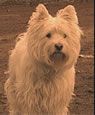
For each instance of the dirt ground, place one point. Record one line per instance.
(13, 20)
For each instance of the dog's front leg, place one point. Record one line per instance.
(65, 111)
(14, 112)
(10, 92)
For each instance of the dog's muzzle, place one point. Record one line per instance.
(57, 56)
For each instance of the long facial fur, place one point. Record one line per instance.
(40, 45)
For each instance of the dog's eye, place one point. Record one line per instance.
(48, 35)
(65, 35)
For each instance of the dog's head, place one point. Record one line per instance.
(54, 40)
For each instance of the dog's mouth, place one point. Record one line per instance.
(58, 57)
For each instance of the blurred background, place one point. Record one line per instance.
(14, 16)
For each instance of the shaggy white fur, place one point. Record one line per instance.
(41, 66)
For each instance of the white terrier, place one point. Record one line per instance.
(41, 66)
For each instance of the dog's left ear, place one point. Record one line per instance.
(41, 13)
(68, 13)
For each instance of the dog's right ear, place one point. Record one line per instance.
(41, 13)
(68, 13)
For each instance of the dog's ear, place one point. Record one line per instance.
(41, 13)
(68, 13)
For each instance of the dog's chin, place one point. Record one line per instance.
(58, 58)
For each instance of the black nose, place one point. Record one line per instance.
(58, 46)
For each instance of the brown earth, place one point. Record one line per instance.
(13, 20)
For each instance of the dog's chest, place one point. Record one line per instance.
(46, 98)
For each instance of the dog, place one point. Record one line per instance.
(42, 64)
